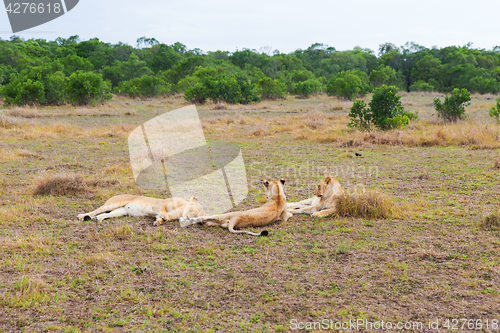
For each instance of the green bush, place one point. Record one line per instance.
(385, 111)
(348, 85)
(145, 86)
(495, 111)
(484, 85)
(23, 91)
(421, 86)
(385, 75)
(55, 88)
(184, 84)
(268, 88)
(87, 88)
(304, 89)
(228, 88)
(361, 116)
(453, 107)
(39, 85)
(248, 89)
(196, 93)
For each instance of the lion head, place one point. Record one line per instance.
(328, 188)
(193, 209)
(275, 190)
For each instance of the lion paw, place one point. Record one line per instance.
(83, 217)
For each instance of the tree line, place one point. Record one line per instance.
(38, 71)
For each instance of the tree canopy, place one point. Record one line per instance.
(33, 71)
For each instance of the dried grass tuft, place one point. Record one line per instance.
(491, 221)
(368, 204)
(24, 112)
(60, 185)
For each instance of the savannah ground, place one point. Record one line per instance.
(435, 259)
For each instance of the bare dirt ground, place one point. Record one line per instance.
(433, 261)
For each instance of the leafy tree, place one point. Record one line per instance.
(348, 84)
(55, 88)
(186, 83)
(225, 87)
(248, 89)
(484, 85)
(421, 86)
(73, 63)
(145, 86)
(385, 111)
(428, 67)
(304, 89)
(271, 89)
(385, 75)
(23, 91)
(196, 94)
(453, 107)
(165, 57)
(87, 88)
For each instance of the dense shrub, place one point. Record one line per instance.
(348, 85)
(453, 107)
(145, 86)
(385, 111)
(268, 88)
(495, 111)
(196, 94)
(228, 88)
(421, 86)
(385, 75)
(304, 89)
(23, 91)
(87, 88)
(55, 88)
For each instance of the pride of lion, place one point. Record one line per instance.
(324, 202)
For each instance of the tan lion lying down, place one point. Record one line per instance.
(134, 205)
(323, 203)
(274, 209)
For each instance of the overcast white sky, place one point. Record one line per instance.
(283, 25)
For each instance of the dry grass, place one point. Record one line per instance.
(7, 122)
(30, 244)
(28, 291)
(24, 112)
(430, 261)
(322, 127)
(219, 106)
(369, 204)
(101, 258)
(32, 131)
(13, 154)
(122, 232)
(60, 185)
(496, 164)
(492, 221)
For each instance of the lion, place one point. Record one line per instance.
(133, 205)
(274, 209)
(323, 203)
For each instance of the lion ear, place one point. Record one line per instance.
(265, 182)
(283, 180)
(193, 199)
(328, 179)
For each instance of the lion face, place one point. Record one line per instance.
(327, 186)
(274, 188)
(193, 209)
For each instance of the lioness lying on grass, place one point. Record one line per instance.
(323, 203)
(274, 209)
(134, 205)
